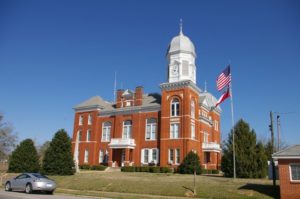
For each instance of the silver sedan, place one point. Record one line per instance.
(30, 182)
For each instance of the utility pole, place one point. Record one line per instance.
(272, 143)
(278, 132)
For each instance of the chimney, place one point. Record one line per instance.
(139, 91)
(119, 98)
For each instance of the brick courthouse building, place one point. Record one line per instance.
(141, 128)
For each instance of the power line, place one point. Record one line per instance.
(291, 112)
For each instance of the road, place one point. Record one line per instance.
(20, 195)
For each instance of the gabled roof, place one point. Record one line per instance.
(95, 102)
(292, 152)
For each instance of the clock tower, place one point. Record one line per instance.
(181, 59)
(180, 101)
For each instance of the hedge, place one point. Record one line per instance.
(210, 171)
(93, 167)
(151, 169)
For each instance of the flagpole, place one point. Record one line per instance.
(232, 122)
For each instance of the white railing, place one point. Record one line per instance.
(211, 146)
(122, 143)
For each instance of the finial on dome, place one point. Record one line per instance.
(180, 25)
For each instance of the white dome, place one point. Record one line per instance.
(181, 43)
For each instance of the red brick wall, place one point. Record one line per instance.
(288, 189)
(163, 141)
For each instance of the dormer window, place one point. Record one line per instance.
(175, 107)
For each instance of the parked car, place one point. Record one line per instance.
(30, 182)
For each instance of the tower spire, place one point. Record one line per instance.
(180, 26)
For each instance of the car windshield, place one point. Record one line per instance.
(37, 175)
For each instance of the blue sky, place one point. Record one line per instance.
(56, 54)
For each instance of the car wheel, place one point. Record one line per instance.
(50, 192)
(28, 188)
(7, 186)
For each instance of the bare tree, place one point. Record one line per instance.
(7, 138)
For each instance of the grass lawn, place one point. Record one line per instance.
(109, 184)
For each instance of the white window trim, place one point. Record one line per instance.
(216, 124)
(128, 133)
(290, 170)
(150, 155)
(80, 122)
(106, 130)
(86, 156)
(90, 119)
(193, 131)
(101, 156)
(177, 155)
(175, 108)
(172, 134)
(151, 129)
(88, 135)
(169, 156)
(193, 109)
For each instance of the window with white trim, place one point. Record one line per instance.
(151, 129)
(88, 135)
(127, 125)
(295, 172)
(192, 109)
(86, 156)
(101, 155)
(80, 119)
(174, 130)
(177, 154)
(106, 128)
(205, 137)
(90, 119)
(175, 107)
(193, 135)
(79, 135)
(149, 156)
(171, 156)
(216, 124)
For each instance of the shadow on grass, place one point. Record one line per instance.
(268, 190)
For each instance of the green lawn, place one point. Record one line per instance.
(151, 184)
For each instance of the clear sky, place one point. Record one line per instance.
(56, 54)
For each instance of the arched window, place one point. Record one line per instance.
(192, 109)
(106, 127)
(127, 125)
(151, 129)
(175, 107)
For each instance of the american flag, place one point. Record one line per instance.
(224, 78)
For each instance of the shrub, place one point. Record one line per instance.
(165, 170)
(144, 169)
(214, 171)
(98, 167)
(190, 163)
(154, 169)
(85, 167)
(128, 169)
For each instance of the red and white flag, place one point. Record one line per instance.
(224, 78)
(223, 97)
